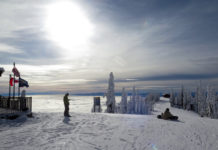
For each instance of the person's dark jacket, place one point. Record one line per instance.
(66, 100)
(166, 115)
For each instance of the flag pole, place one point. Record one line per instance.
(9, 94)
(19, 87)
(14, 84)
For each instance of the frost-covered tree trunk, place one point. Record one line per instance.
(216, 107)
(148, 107)
(157, 97)
(143, 110)
(176, 101)
(110, 95)
(140, 105)
(137, 102)
(172, 98)
(123, 104)
(185, 98)
(150, 101)
(131, 104)
(201, 100)
(211, 101)
(188, 100)
(182, 96)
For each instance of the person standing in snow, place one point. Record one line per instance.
(66, 105)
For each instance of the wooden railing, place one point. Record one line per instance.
(16, 103)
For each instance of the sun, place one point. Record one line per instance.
(68, 26)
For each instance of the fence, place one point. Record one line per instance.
(16, 103)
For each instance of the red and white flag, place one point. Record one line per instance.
(16, 72)
(12, 81)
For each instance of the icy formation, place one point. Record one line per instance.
(136, 105)
(205, 101)
(212, 102)
(131, 103)
(123, 104)
(110, 95)
(140, 105)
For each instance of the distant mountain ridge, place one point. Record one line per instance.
(76, 94)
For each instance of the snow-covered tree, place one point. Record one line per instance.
(189, 100)
(176, 101)
(185, 99)
(201, 100)
(140, 105)
(123, 103)
(216, 107)
(137, 102)
(172, 98)
(131, 103)
(211, 102)
(110, 95)
(180, 98)
(204, 102)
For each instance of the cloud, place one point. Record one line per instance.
(172, 77)
(141, 40)
(9, 49)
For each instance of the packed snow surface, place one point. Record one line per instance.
(101, 131)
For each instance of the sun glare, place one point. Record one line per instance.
(68, 26)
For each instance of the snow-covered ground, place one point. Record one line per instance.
(96, 131)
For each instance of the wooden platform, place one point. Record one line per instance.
(8, 112)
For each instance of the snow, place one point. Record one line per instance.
(96, 131)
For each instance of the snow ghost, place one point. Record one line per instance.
(123, 104)
(110, 95)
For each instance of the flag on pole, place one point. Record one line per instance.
(23, 83)
(12, 81)
(16, 72)
(1, 71)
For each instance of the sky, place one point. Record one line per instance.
(73, 45)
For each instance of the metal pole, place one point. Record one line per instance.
(14, 84)
(19, 87)
(9, 94)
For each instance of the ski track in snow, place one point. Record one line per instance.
(98, 131)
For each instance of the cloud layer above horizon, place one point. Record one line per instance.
(73, 45)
